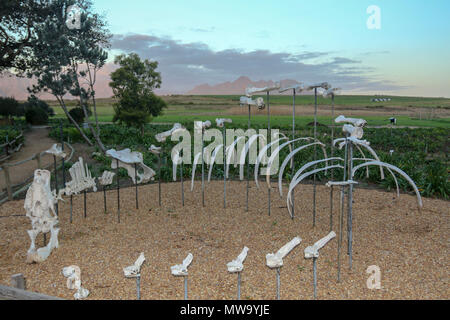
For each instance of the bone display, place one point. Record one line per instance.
(313, 251)
(340, 183)
(81, 179)
(237, 264)
(56, 151)
(330, 92)
(217, 149)
(247, 101)
(221, 122)
(276, 260)
(161, 137)
(181, 269)
(251, 91)
(106, 178)
(201, 125)
(39, 205)
(354, 121)
(356, 132)
(127, 159)
(135, 269)
(73, 275)
(154, 149)
(323, 85)
(297, 88)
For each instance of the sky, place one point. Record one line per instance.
(205, 41)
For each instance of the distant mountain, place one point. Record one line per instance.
(238, 86)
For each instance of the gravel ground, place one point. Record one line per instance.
(410, 247)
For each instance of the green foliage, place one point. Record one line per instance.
(37, 111)
(77, 114)
(10, 107)
(133, 85)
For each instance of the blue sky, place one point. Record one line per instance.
(408, 55)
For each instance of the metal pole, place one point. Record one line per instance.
(136, 183)
(332, 154)
(104, 198)
(203, 174)
(62, 148)
(45, 239)
(248, 162)
(341, 212)
(84, 193)
(293, 147)
(224, 167)
(138, 286)
(315, 276)
(71, 207)
(185, 288)
(268, 139)
(239, 286)
(315, 157)
(56, 182)
(182, 186)
(118, 191)
(350, 205)
(159, 180)
(278, 283)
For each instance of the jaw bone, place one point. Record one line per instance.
(259, 102)
(161, 137)
(276, 260)
(237, 264)
(313, 251)
(251, 91)
(181, 269)
(135, 269)
(56, 150)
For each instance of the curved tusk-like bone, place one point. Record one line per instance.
(244, 153)
(398, 170)
(181, 269)
(275, 260)
(194, 165)
(231, 152)
(213, 159)
(261, 154)
(313, 251)
(237, 264)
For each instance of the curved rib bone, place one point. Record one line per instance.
(237, 264)
(261, 154)
(194, 166)
(181, 269)
(244, 153)
(276, 260)
(398, 170)
(135, 269)
(313, 251)
(213, 159)
(230, 151)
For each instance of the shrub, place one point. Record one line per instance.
(77, 114)
(37, 111)
(10, 107)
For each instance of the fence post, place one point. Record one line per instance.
(8, 181)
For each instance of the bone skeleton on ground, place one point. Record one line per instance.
(276, 260)
(73, 275)
(39, 205)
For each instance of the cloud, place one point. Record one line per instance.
(185, 65)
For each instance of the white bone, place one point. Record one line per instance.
(340, 183)
(330, 92)
(135, 269)
(297, 88)
(161, 137)
(221, 122)
(244, 152)
(247, 101)
(127, 159)
(230, 152)
(73, 275)
(276, 260)
(213, 159)
(201, 125)
(106, 178)
(237, 264)
(313, 251)
(181, 269)
(41, 254)
(194, 166)
(176, 160)
(261, 154)
(56, 150)
(398, 170)
(251, 91)
(81, 179)
(323, 85)
(356, 132)
(154, 149)
(355, 122)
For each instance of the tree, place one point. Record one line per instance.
(17, 31)
(66, 60)
(133, 84)
(37, 111)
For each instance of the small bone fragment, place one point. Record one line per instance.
(355, 122)
(276, 260)
(135, 269)
(154, 149)
(237, 264)
(56, 150)
(313, 251)
(181, 269)
(73, 275)
(221, 122)
(106, 178)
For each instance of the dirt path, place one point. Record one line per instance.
(36, 140)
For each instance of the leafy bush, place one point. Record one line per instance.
(10, 107)
(37, 112)
(77, 114)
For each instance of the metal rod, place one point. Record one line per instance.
(315, 157)
(62, 148)
(332, 155)
(269, 132)
(159, 180)
(182, 186)
(44, 239)
(136, 183)
(239, 286)
(138, 286)
(118, 191)
(315, 276)
(224, 167)
(185, 288)
(350, 206)
(84, 193)
(341, 212)
(278, 283)
(248, 162)
(71, 207)
(203, 174)
(56, 182)
(293, 147)
(104, 198)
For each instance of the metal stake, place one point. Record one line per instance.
(56, 182)
(185, 288)
(136, 183)
(269, 138)
(224, 167)
(332, 155)
(84, 193)
(315, 276)
(62, 148)
(293, 147)
(159, 180)
(341, 212)
(203, 173)
(239, 286)
(248, 163)
(138, 286)
(118, 191)
(278, 283)
(315, 157)
(350, 205)
(45, 239)
(182, 187)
